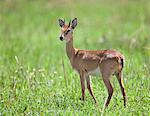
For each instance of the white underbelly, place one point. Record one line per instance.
(95, 72)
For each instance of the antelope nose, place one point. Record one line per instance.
(61, 38)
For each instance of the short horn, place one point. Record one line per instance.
(69, 23)
(64, 20)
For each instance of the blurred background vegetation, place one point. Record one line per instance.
(31, 52)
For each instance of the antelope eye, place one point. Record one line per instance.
(67, 32)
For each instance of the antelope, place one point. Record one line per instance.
(93, 62)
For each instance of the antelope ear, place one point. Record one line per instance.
(74, 23)
(61, 22)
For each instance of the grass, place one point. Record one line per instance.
(31, 71)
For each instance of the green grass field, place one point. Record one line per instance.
(31, 56)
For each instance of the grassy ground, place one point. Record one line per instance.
(31, 54)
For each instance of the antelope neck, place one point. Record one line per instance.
(70, 49)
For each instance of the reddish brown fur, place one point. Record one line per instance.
(108, 62)
(65, 27)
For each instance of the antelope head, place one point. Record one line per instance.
(67, 30)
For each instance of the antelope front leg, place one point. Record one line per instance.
(82, 80)
(89, 87)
